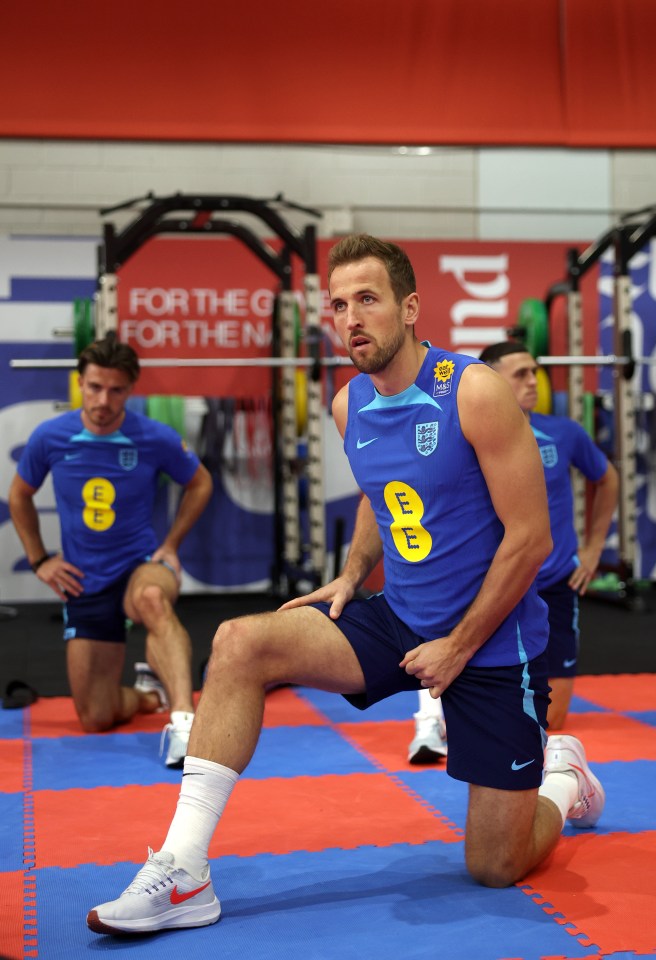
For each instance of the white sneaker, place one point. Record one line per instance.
(564, 754)
(429, 744)
(147, 681)
(178, 731)
(161, 897)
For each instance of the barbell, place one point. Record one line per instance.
(547, 361)
(66, 363)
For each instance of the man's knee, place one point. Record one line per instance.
(233, 638)
(496, 872)
(151, 603)
(237, 644)
(96, 718)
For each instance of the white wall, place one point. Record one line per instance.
(51, 190)
(54, 187)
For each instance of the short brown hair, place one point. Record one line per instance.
(358, 246)
(111, 353)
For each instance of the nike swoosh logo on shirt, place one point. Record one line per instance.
(181, 897)
(519, 766)
(569, 663)
(365, 443)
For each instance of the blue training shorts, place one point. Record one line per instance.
(495, 716)
(563, 647)
(98, 616)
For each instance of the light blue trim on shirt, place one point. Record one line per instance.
(86, 436)
(413, 396)
(539, 435)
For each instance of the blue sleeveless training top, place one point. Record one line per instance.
(433, 509)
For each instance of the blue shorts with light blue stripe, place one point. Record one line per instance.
(495, 716)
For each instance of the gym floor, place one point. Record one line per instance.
(332, 845)
(613, 638)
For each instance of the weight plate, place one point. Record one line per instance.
(544, 401)
(301, 402)
(74, 392)
(534, 320)
(589, 414)
(83, 332)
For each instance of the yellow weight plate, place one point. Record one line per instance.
(544, 401)
(74, 392)
(301, 402)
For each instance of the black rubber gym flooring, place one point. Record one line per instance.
(614, 639)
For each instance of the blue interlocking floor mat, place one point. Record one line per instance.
(332, 845)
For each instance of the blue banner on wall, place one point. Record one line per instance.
(643, 323)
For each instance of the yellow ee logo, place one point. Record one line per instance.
(412, 541)
(98, 495)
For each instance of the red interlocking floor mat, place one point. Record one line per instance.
(332, 845)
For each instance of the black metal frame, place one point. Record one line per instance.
(154, 220)
(627, 238)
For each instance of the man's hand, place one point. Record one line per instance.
(61, 576)
(169, 556)
(338, 593)
(436, 663)
(586, 570)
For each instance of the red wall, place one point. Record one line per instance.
(551, 72)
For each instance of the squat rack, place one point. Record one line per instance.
(198, 218)
(625, 239)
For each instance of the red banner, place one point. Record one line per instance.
(212, 298)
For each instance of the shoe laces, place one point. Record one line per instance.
(154, 875)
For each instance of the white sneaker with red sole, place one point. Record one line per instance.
(564, 754)
(161, 897)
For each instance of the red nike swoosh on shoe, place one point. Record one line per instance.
(181, 897)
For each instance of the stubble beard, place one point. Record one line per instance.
(103, 419)
(382, 356)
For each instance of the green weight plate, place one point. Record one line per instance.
(157, 408)
(534, 320)
(589, 414)
(83, 332)
(297, 330)
(177, 414)
(167, 409)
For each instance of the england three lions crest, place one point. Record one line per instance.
(128, 458)
(549, 454)
(426, 437)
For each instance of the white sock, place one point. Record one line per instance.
(181, 716)
(205, 789)
(563, 789)
(428, 707)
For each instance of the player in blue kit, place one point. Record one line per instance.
(570, 566)
(105, 463)
(454, 499)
